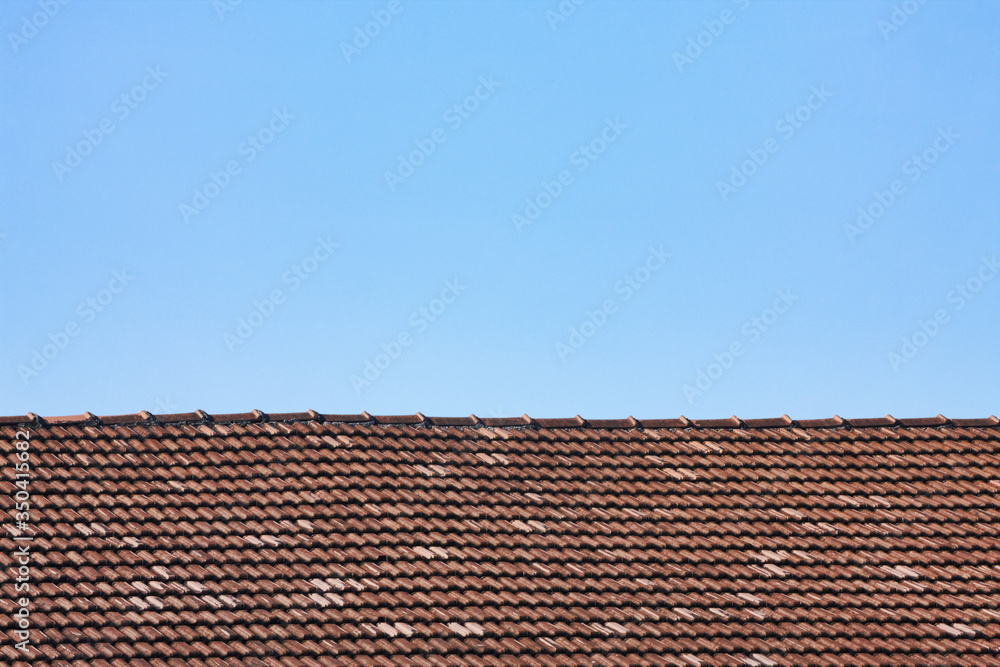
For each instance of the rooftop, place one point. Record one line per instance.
(307, 539)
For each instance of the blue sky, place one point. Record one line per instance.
(605, 209)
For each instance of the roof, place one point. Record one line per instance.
(308, 539)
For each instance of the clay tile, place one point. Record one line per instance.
(255, 416)
(503, 422)
(399, 419)
(829, 422)
(471, 420)
(122, 419)
(992, 420)
(612, 423)
(772, 422)
(26, 419)
(178, 417)
(924, 421)
(290, 416)
(572, 422)
(68, 419)
(348, 419)
(870, 422)
(680, 422)
(732, 422)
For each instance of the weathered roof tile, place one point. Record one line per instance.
(311, 539)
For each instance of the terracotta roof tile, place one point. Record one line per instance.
(732, 422)
(178, 417)
(399, 419)
(504, 422)
(17, 419)
(679, 423)
(309, 539)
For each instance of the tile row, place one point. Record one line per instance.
(531, 605)
(255, 416)
(111, 569)
(144, 482)
(498, 453)
(692, 610)
(714, 635)
(798, 648)
(333, 504)
(610, 659)
(524, 527)
(569, 440)
(498, 551)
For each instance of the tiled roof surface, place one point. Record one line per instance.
(335, 540)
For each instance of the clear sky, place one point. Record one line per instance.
(604, 208)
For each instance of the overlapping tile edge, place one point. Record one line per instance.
(310, 539)
(681, 422)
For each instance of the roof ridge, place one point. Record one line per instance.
(472, 421)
